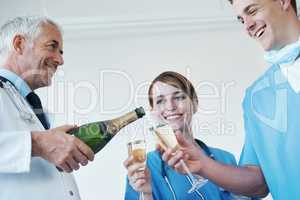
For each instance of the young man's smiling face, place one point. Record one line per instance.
(264, 21)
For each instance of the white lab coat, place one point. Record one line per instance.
(23, 176)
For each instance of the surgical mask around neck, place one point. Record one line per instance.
(286, 55)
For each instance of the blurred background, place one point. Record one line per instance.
(114, 49)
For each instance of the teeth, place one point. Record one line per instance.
(260, 32)
(173, 116)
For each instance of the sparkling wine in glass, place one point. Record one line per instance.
(138, 151)
(167, 139)
(137, 148)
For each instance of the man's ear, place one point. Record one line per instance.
(19, 44)
(285, 4)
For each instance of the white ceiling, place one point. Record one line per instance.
(118, 9)
(119, 16)
(107, 16)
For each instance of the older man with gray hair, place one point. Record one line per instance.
(31, 51)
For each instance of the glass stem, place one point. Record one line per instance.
(187, 170)
(141, 196)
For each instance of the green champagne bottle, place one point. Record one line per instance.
(97, 134)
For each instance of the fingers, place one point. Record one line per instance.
(138, 179)
(160, 148)
(80, 158)
(182, 141)
(81, 153)
(128, 162)
(139, 183)
(85, 150)
(65, 167)
(138, 175)
(175, 158)
(133, 168)
(70, 152)
(172, 158)
(72, 163)
(167, 155)
(65, 128)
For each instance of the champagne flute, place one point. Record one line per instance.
(167, 139)
(137, 148)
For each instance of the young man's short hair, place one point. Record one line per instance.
(293, 2)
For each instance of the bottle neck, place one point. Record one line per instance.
(116, 124)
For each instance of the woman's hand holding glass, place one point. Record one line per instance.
(138, 173)
(189, 152)
(140, 180)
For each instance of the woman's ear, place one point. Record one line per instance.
(19, 44)
(195, 106)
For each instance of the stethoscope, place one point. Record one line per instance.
(18, 101)
(207, 151)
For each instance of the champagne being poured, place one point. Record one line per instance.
(97, 134)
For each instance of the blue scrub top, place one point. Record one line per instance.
(179, 183)
(272, 125)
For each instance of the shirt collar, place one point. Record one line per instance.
(18, 82)
(292, 74)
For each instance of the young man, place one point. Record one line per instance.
(31, 51)
(269, 161)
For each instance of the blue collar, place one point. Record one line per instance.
(17, 81)
(205, 148)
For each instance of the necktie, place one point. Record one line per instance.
(35, 102)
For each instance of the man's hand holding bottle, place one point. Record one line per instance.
(61, 149)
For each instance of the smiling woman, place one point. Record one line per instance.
(173, 98)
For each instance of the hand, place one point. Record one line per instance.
(60, 148)
(189, 151)
(140, 181)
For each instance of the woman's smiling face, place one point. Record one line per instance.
(172, 105)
